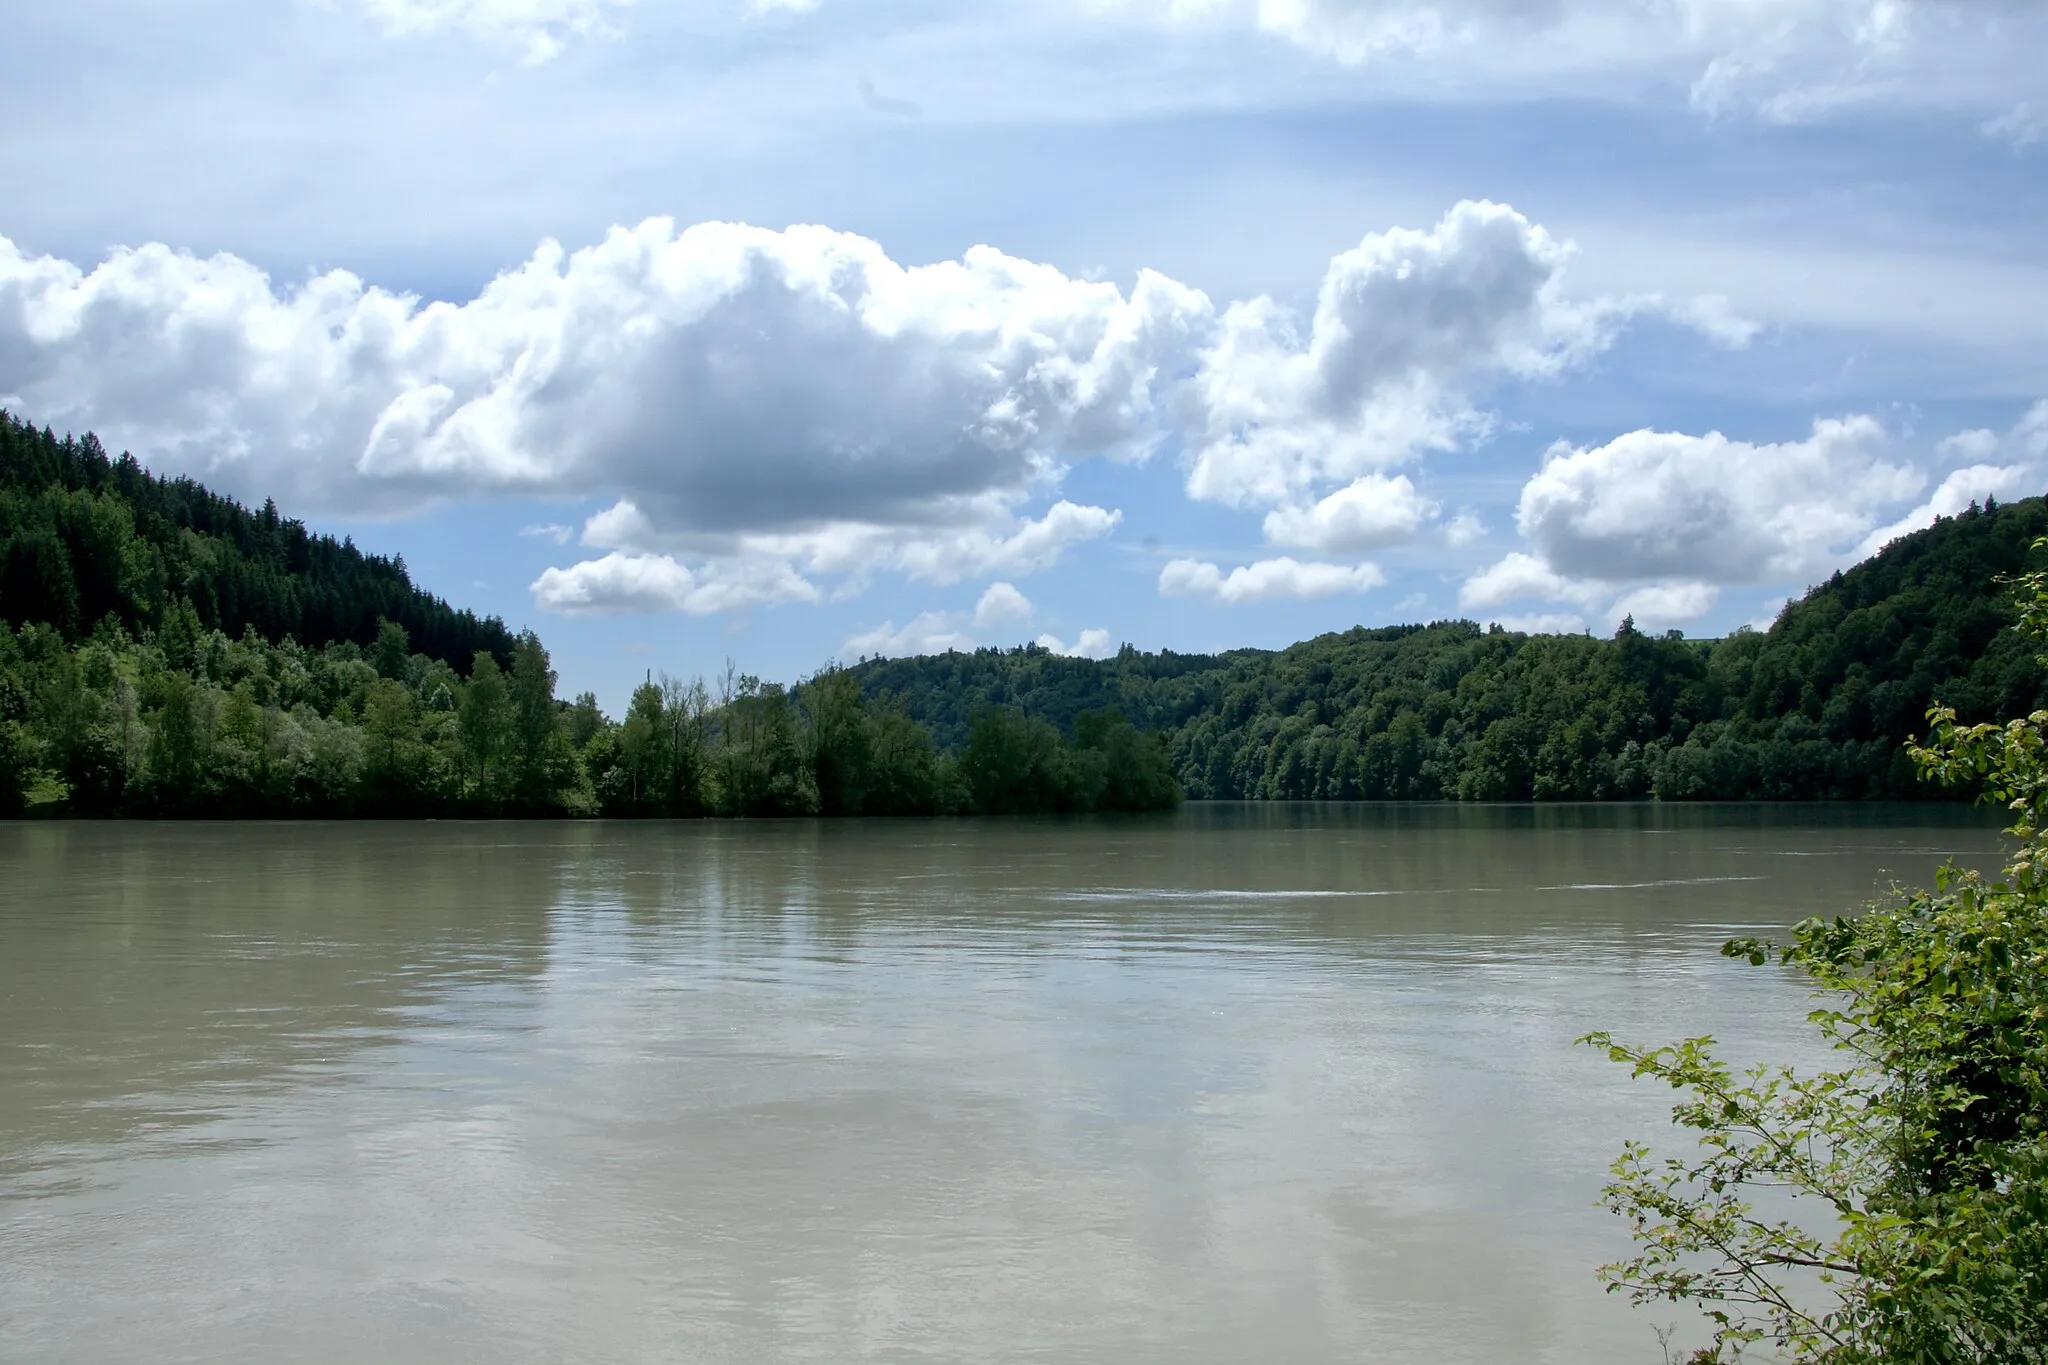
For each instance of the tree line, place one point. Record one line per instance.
(183, 721)
(1818, 706)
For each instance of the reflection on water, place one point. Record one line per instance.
(1246, 1083)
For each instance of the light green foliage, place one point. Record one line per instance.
(110, 726)
(1895, 1209)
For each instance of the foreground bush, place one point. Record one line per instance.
(1916, 1227)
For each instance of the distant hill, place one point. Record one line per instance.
(1816, 707)
(84, 537)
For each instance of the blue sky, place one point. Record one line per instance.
(686, 330)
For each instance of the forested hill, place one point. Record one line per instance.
(84, 537)
(1816, 707)
(166, 652)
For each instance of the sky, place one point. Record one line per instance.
(785, 332)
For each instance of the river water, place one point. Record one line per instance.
(1258, 1084)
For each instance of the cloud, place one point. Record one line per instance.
(554, 531)
(536, 29)
(1653, 504)
(1030, 545)
(1403, 322)
(771, 406)
(935, 632)
(931, 632)
(1266, 579)
(1542, 623)
(2022, 126)
(719, 377)
(1782, 60)
(1972, 446)
(1518, 577)
(971, 537)
(740, 390)
(2030, 434)
(1658, 522)
(1090, 644)
(1971, 484)
(1368, 514)
(1714, 316)
(636, 583)
(1661, 606)
(1001, 602)
(1463, 529)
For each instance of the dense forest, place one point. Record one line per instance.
(165, 651)
(85, 540)
(1816, 707)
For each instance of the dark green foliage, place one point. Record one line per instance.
(85, 538)
(1014, 763)
(1817, 707)
(821, 748)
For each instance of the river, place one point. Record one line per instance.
(1246, 1083)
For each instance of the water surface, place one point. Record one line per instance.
(1242, 1084)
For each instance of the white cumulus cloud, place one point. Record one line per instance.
(1367, 514)
(1517, 577)
(1660, 606)
(930, 632)
(1541, 623)
(743, 392)
(1266, 579)
(1001, 602)
(1656, 523)
(773, 406)
(720, 376)
(1655, 504)
(630, 582)
(1463, 529)
(1090, 644)
(1403, 322)
(935, 632)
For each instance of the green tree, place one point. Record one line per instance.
(391, 655)
(546, 762)
(487, 724)
(906, 774)
(644, 757)
(396, 760)
(1014, 765)
(585, 720)
(1136, 770)
(758, 765)
(178, 742)
(685, 721)
(841, 741)
(1925, 1156)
